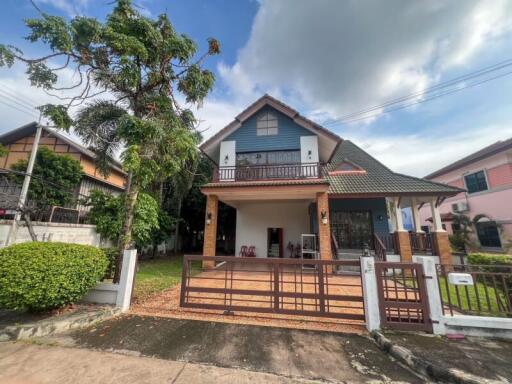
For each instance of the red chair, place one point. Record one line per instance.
(243, 251)
(252, 251)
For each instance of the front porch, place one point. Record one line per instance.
(271, 218)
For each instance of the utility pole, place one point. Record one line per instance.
(11, 238)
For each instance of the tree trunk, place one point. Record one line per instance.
(125, 241)
(177, 229)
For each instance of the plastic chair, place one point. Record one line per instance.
(252, 251)
(243, 251)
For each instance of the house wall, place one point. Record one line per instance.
(20, 150)
(253, 219)
(67, 233)
(288, 137)
(494, 203)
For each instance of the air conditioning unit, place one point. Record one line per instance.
(461, 206)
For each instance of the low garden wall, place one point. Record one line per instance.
(57, 232)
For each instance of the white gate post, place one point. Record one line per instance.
(370, 293)
(432, 286)
(126, 280)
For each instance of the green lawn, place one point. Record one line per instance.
(469, 298)
(154, 276)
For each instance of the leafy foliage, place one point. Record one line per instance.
(142, 62)
(489, 259)
(107, 213)
(56, 177)
(40, 276)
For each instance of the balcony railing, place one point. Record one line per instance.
(269, 172)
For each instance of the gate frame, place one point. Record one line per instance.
(275, 293)
(422, 304)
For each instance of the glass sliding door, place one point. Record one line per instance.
(352, 229)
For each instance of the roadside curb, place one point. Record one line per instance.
(426, 368)
(50, 327)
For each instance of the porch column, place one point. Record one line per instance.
(324, 225)
(417, 224)
(402, 240)
(210, 229)
(440, 242)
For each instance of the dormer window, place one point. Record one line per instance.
(266, 124)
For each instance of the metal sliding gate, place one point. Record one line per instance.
(403, 300)
(325, 288)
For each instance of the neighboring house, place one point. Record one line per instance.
(286, 176)
(19, 143)
(487, 177)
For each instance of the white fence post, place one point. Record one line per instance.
(126, 280)
(370, 293)
(434, 299)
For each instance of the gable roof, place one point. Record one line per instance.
(277, 105)
(30, 128)
(478, 155)
(378, 178)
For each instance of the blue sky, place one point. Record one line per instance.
(328, 58)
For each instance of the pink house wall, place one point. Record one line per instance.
(496, 202)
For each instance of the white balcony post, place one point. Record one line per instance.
(436, 216)
(370, 294)
(398, 215)
(416, 216)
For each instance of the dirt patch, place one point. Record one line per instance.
(479, 356)
(288, 352)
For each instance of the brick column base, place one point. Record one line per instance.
(324, 230)
(442, 248)
(210, 230)
(403, 246)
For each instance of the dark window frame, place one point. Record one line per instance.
(476, 182)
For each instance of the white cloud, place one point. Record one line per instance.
(340, 56)
(70, 7)
(421, 154)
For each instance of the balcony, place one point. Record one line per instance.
(269, 172)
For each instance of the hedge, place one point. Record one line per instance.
(40, 276)
(489, 259)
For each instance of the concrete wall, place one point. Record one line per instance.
(67, 233)
(253, 219)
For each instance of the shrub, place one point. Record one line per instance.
(457, 241)
(489, 259)
(40, 276)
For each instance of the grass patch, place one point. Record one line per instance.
(472, 296)
(155, 276)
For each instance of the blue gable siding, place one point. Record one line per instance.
(287, 138)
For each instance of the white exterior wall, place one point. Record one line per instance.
(253, 219)
(56, 232)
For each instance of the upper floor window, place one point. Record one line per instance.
(266, 124)
(476, 182)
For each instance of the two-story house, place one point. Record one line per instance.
(287, 176)
(487, 177)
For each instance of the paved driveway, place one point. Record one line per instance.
(284, 352)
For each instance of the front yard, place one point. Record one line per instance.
(155, 276)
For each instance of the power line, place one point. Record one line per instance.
(455, 81)
(436, 96)
(18, 103)
(19, 109)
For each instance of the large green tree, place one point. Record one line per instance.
(146, 67)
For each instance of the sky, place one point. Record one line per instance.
(328, 59)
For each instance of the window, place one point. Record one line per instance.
(456, 227)
(488, 234)
(476, 182)
(266, 125)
